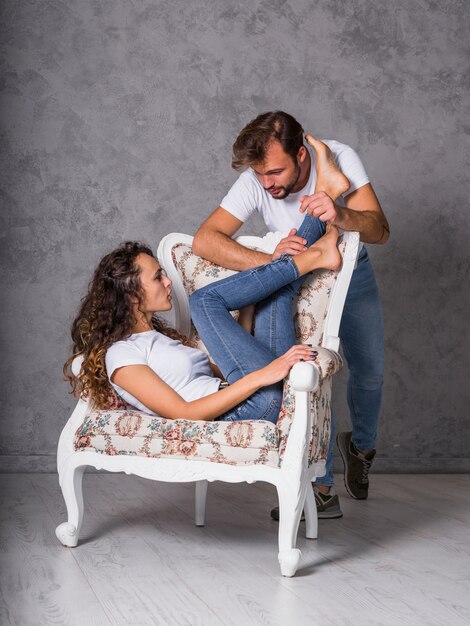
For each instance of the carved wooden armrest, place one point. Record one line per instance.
(328, 362)
(303, 377)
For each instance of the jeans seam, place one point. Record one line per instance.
(288, 258)
(268, 410)
(273, 326)
(214, 329)
(213, 288)
(255, 270)
(238, 411)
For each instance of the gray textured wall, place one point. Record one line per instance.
(117, 122)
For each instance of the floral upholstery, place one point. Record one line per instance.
(310, 311)
(135, 433)
(328, 363)
(312, 300)
(120, 429)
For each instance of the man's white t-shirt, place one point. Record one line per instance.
(247, 194)
(186, 370)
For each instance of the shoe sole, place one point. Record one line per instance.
(332, 515)
(322, 515)
(344, 452)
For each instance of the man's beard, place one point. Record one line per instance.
(284, 191)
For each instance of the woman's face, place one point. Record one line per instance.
(156, 286)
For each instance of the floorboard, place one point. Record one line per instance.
(400, 558)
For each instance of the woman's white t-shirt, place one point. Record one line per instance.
(186, 370)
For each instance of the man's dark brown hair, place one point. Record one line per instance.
(250, 145)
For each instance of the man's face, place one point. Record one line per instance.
(278, 173)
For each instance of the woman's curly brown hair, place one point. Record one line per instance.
(106, 316)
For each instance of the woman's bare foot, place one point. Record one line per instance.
(329, 178)
(324, 253)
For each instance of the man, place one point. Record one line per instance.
(283, 177)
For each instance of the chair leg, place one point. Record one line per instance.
(200, 502)
(311, 518)
(71, 485)
(291, 499)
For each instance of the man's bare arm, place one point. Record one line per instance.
(362, 213)
(214, 241)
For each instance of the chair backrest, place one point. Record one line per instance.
(317, 308)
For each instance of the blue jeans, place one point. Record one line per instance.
(361, 334)
(237, 352)
(362, 340)
(272, 313)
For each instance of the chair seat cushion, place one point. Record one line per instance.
(131, 432)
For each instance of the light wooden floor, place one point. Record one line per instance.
(401, 557)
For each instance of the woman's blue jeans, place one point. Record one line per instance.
(237, 353)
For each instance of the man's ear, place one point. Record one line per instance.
(301, 155)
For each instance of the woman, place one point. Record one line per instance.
(157, 371)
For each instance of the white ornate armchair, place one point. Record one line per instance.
(289, 454)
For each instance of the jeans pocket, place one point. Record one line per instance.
(273, 410)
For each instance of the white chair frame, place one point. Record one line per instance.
(291, 479)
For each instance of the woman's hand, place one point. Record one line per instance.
(280, 367)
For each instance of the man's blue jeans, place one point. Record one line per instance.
(237, 352)
(362, 341)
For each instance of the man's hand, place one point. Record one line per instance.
(320, 205)
(289, 245)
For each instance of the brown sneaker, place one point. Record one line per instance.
(356, 467)
(327, 507)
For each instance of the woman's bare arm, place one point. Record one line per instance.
(142, 382)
